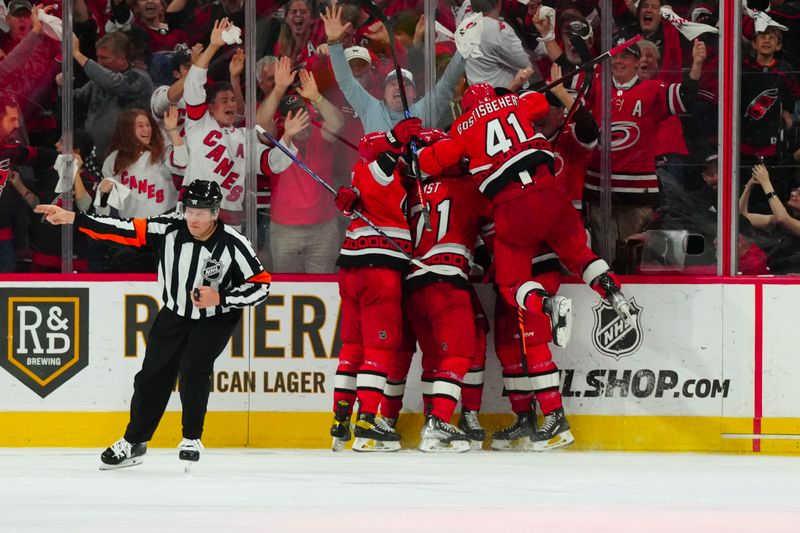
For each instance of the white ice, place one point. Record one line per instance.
(48, 490)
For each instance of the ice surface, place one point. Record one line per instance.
(44, 490)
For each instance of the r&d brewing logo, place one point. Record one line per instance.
(47, 334)
(611, 336)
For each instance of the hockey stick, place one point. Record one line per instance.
(576, 103)
(579, 44)
(605, 55)
(321, 127)
(267, 135)
(371, 7)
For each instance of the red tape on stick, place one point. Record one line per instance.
(619, 48)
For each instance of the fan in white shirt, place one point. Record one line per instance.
(137, 180)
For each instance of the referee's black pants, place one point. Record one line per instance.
(178, 346)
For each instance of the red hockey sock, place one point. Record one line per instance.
(520, 402)
(471, 397)
(549, 401)
(442, 407)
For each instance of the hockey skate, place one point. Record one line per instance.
(554, 432)
(559, 309)
(340, 430)
(374, 435)
(440, 437)
(518, 436)
(189, 452)
(617, 300)
(121, 454)
(468, 423)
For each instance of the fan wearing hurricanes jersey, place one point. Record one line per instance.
(207, 272)
(512, 164)
(215, 146)
(637, 109)
(439, 301)
(370, 286)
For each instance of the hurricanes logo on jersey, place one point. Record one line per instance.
(624, 135)
(611, 336)
(212, 270)
(762, 103)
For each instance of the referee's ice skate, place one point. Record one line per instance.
(189, 450)
(122, 454)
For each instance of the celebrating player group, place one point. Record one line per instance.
(495, 206)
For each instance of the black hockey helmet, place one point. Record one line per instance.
(203, 194)
(578, 27)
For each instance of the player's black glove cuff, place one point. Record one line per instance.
(387, 161)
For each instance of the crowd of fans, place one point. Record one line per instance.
(325, 77)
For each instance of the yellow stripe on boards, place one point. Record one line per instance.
(311, 430)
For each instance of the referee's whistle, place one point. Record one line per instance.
(196, 293)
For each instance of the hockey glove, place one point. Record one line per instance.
(347, 200)
(404, 131)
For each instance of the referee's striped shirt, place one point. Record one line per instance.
(226, 261)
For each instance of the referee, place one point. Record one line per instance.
(207, 272)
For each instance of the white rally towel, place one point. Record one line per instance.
(65, 182)
(3, 12)
(761, 19)
(233, 35)
(51, 26)
(443, 35)
(468, 36)
(550, 14)
(116, 198)
(690, 30)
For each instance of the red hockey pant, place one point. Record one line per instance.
(524, 218)
(444, 324)
(523, 371)
(472, 386)
(395, 388)
(371, 329)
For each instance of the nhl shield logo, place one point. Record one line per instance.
(212, 271)
(611, 336)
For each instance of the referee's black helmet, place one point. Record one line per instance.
(203, 194)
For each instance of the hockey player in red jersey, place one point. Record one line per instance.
(513, 165)
(572, 149)
(370, 280)
(439, 301)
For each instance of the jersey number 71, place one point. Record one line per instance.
(440, 222)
